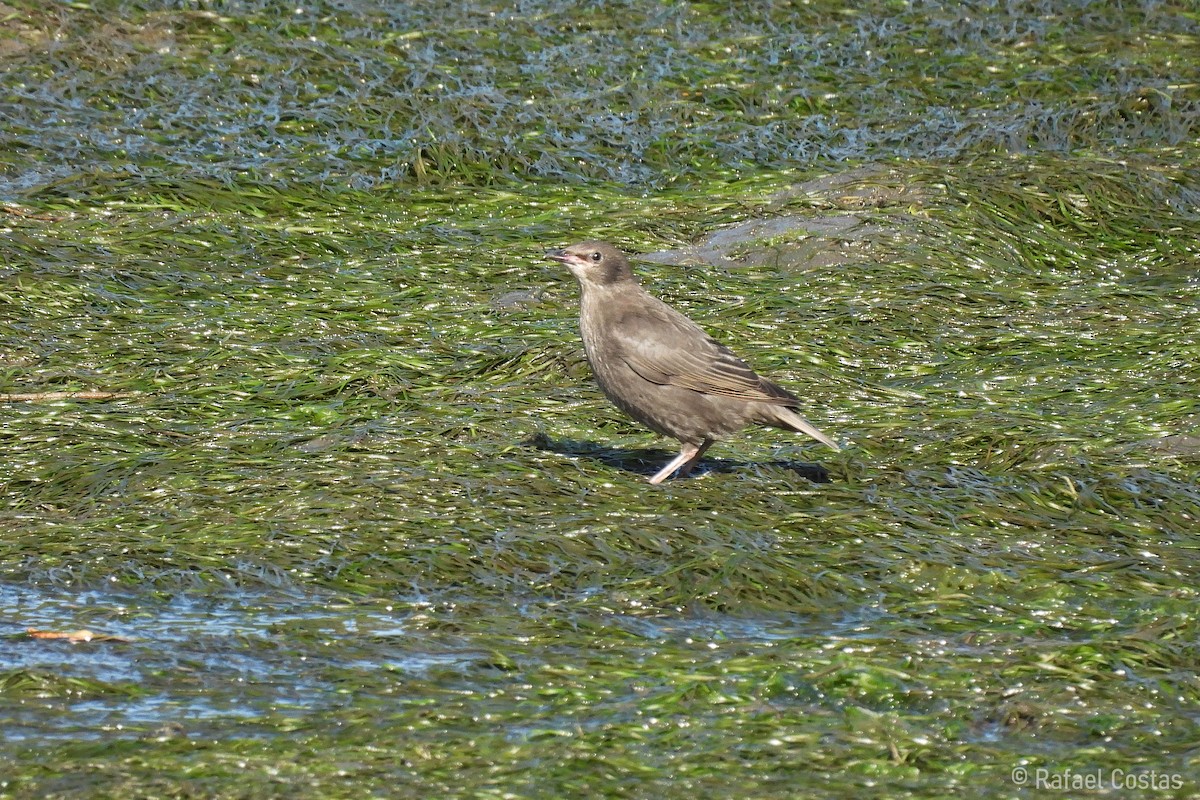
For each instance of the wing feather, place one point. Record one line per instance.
(665, 347)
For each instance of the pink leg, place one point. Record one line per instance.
(687, 458)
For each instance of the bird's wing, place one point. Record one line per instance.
(665, 347)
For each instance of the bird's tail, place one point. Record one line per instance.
(790, 420)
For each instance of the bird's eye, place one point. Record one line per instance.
(596, 256)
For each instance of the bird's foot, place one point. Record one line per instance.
(688, 457)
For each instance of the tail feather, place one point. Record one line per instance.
(792, 421)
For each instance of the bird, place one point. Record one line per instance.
(662, 369)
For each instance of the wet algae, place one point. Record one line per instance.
(345, 483)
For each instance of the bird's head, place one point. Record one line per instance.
(594, 263)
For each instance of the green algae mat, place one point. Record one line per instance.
(306, 491)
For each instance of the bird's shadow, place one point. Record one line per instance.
(647, 461)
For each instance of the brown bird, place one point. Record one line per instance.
(660, 368)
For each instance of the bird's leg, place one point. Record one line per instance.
(687, 458)
(695, 459)
(685, 455)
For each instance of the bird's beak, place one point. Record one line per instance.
(574, 263)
